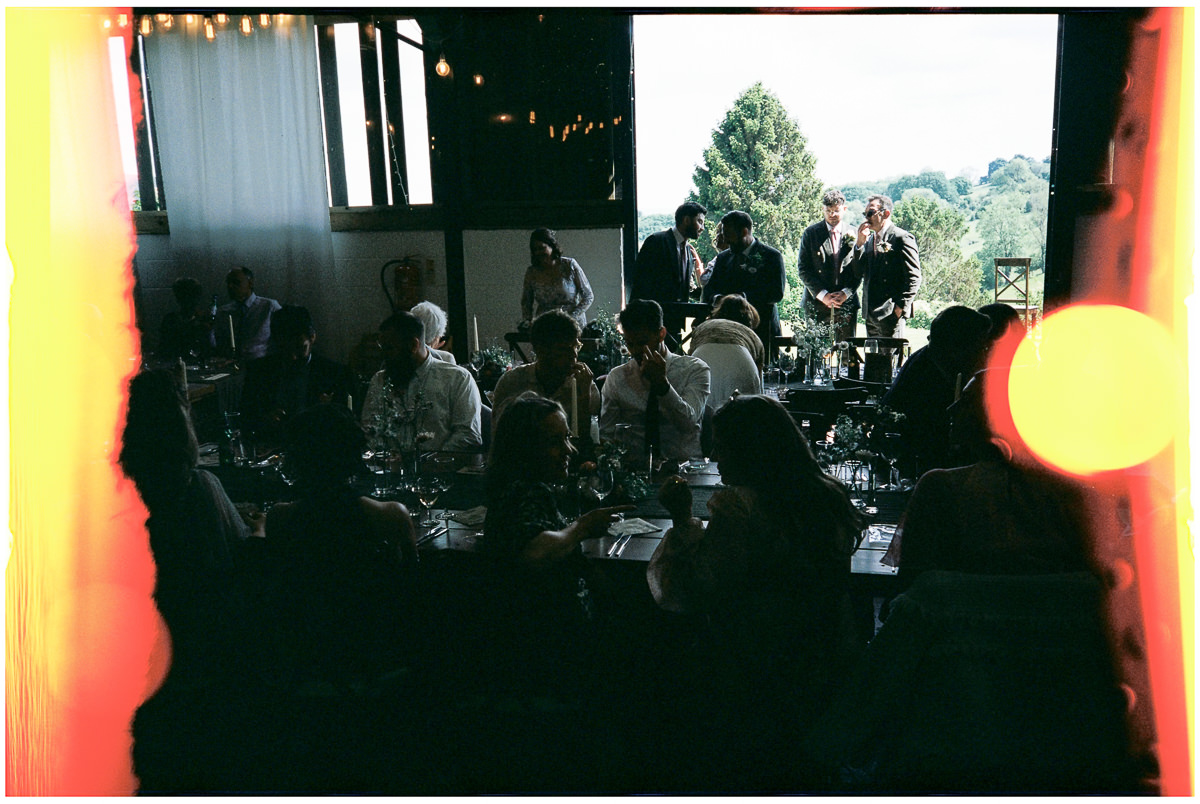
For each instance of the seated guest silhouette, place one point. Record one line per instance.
(557, 373)
(1008, 330)
(932, 378)
(416, 393)
(434, 319)
(250, 315)
(203, 554)
(188, 331)
(768, 584)
(336, 561)
(660, 394)
(733, 320)
(291, 378)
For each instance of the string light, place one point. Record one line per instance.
(222, 19)
(167, 21)
(122, 20)
(246, 26)
(532, 117)
(106, 24)
(210, 33)
(551, 132)
(442, 68)
(264, 20)
(147, 26)
(478, 80)
(189, 18)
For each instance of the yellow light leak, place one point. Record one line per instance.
(1102, 391)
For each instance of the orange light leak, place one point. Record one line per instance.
(79, 621)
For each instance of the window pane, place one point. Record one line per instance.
(120, 83)
(416, 121)
(354, 115)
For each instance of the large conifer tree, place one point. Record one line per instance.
(759, 163)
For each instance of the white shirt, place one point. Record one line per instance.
(623, 401)
(440, 399)
(835, 233)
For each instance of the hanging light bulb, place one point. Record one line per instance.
(189, 18)
(147, 26)
(222, 19)
(210, 32)
(246, 26)
(442, 68)
(161, 17)
(264, 20)
(551, 132)
(532, 117)
(106, 24)
(122, 20)
(478, 80)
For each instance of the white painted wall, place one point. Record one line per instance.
(495, 267)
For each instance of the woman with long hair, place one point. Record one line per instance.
(765, 588)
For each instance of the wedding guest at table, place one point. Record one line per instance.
(660, 394)
(931, 380)
(550, 585)
(999, 515)
(203, 555)
(767, 583)
(417, 393)
(250, 315)
(733, 320)
(187, 332)
(553, 281)
(1008, 330)
(434, 319)
(291, 378)
(556, 373)
(337, 561)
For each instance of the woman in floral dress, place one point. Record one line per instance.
(553, 281)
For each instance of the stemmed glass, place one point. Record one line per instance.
(892, 455)
(427, 490)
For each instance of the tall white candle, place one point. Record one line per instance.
(232, 340)
(475, 330)
(574, 407)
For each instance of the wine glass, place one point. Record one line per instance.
(599, 483)
(377, 464)
(427, 490)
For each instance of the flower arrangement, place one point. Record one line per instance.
(812, 336)
(628, 486)
(394, 426)
(606, 352)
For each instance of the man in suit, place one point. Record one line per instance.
(291, 378)
(886, 260)
(665, 270)
(752, 268)
(826, 251)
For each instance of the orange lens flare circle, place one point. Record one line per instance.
(1100, 392)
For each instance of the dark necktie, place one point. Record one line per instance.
(652, 425)
(683, 269)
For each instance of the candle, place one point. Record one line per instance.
(232, 341)
(475, 331)
(574, 407)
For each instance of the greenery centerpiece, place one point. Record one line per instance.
(814, 341)
(489, 365)
(602, 352)
(628, 486)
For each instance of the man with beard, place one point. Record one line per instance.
(415, 393)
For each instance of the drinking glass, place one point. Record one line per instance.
(427, 490)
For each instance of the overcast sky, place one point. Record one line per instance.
(877, 96)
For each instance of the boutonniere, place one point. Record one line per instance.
(749, 263)
(884, 248)
(848, 240)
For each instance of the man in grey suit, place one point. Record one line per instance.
(886, 259)
(826, 252)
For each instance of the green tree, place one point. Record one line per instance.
(932, 179)
(962, 186)
(649, 224)
(946, 276)
(759, 162)
(1007, 232)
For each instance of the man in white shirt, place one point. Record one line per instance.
(826, 254)
(657, 390)
(434, 319)
(416, 399)
(250, 315)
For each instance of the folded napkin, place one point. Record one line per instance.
(632, 527)
(472, 517)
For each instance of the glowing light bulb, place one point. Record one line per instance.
(246, 26)
(147, 26)
(478, 80)
(532, 117)
(161, 17)
(210, 33)
(189, 18)
(551, 132)
(122, 20)
(222, 19)
(264, 20)
(442, 68)
(106, 24)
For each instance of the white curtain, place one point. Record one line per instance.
(238, 121)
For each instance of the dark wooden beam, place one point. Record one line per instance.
(327, 56)
(373, 109)
(397, 159)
